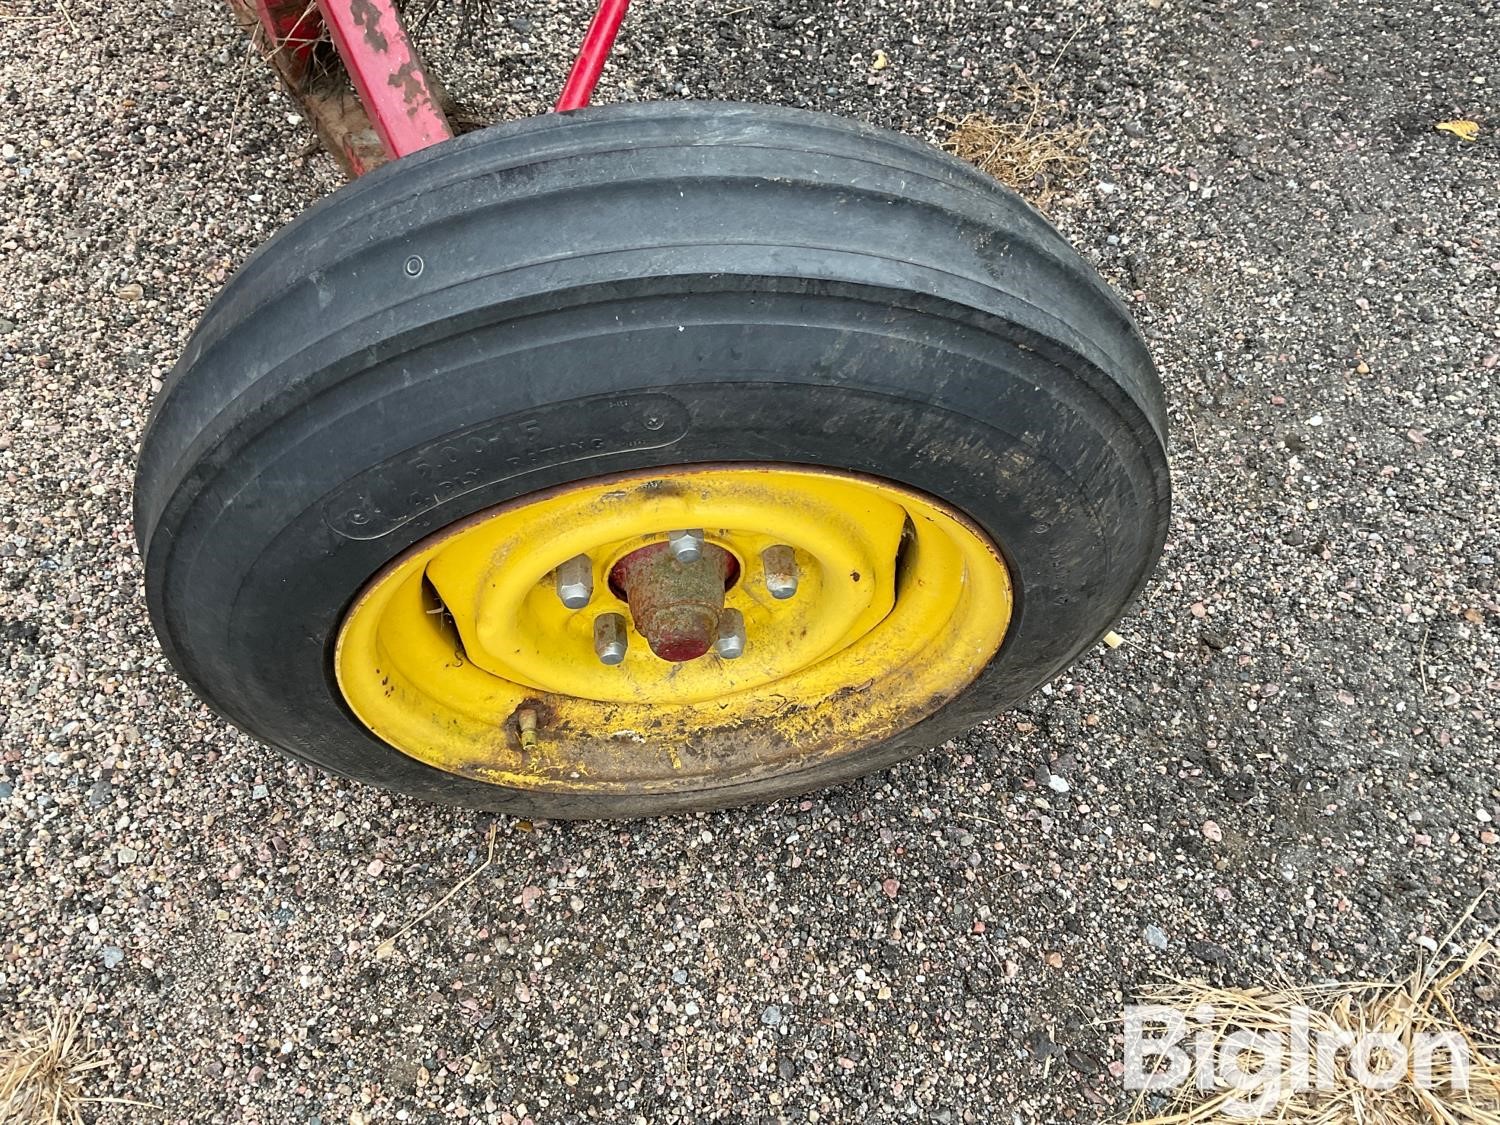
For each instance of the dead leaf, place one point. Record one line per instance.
(1463, 130)
(881, 62)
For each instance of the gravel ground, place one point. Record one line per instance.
(1289, 765)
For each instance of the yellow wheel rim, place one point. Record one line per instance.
(461, 653)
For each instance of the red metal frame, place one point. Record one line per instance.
(597, 43)
(294, 27)
(387, 72)
(393, 110)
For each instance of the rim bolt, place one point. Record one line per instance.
(687, 546)
(610, 639)
(575, 582)
(780, 565)
(526, 724)
(730, 644)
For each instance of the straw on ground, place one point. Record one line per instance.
(1423, 1005)
(1037, 151)
(43, 1071)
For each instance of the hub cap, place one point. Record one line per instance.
(495, 624)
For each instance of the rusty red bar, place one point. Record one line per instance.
(387, 73)
(293, 28)
(584, 76)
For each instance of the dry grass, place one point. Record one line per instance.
(1037, 151)
(43, 1071)
(1422, 1003)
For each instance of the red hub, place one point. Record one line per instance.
(675, 605)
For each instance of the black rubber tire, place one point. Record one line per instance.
(495, 315)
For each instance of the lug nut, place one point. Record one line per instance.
(730, 644)
(526, 724)
(575, 582)
(610, 639)
(687, 546)
(780, 565)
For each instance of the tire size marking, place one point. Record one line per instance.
(388, 495)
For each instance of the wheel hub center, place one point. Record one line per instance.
(675, 604)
